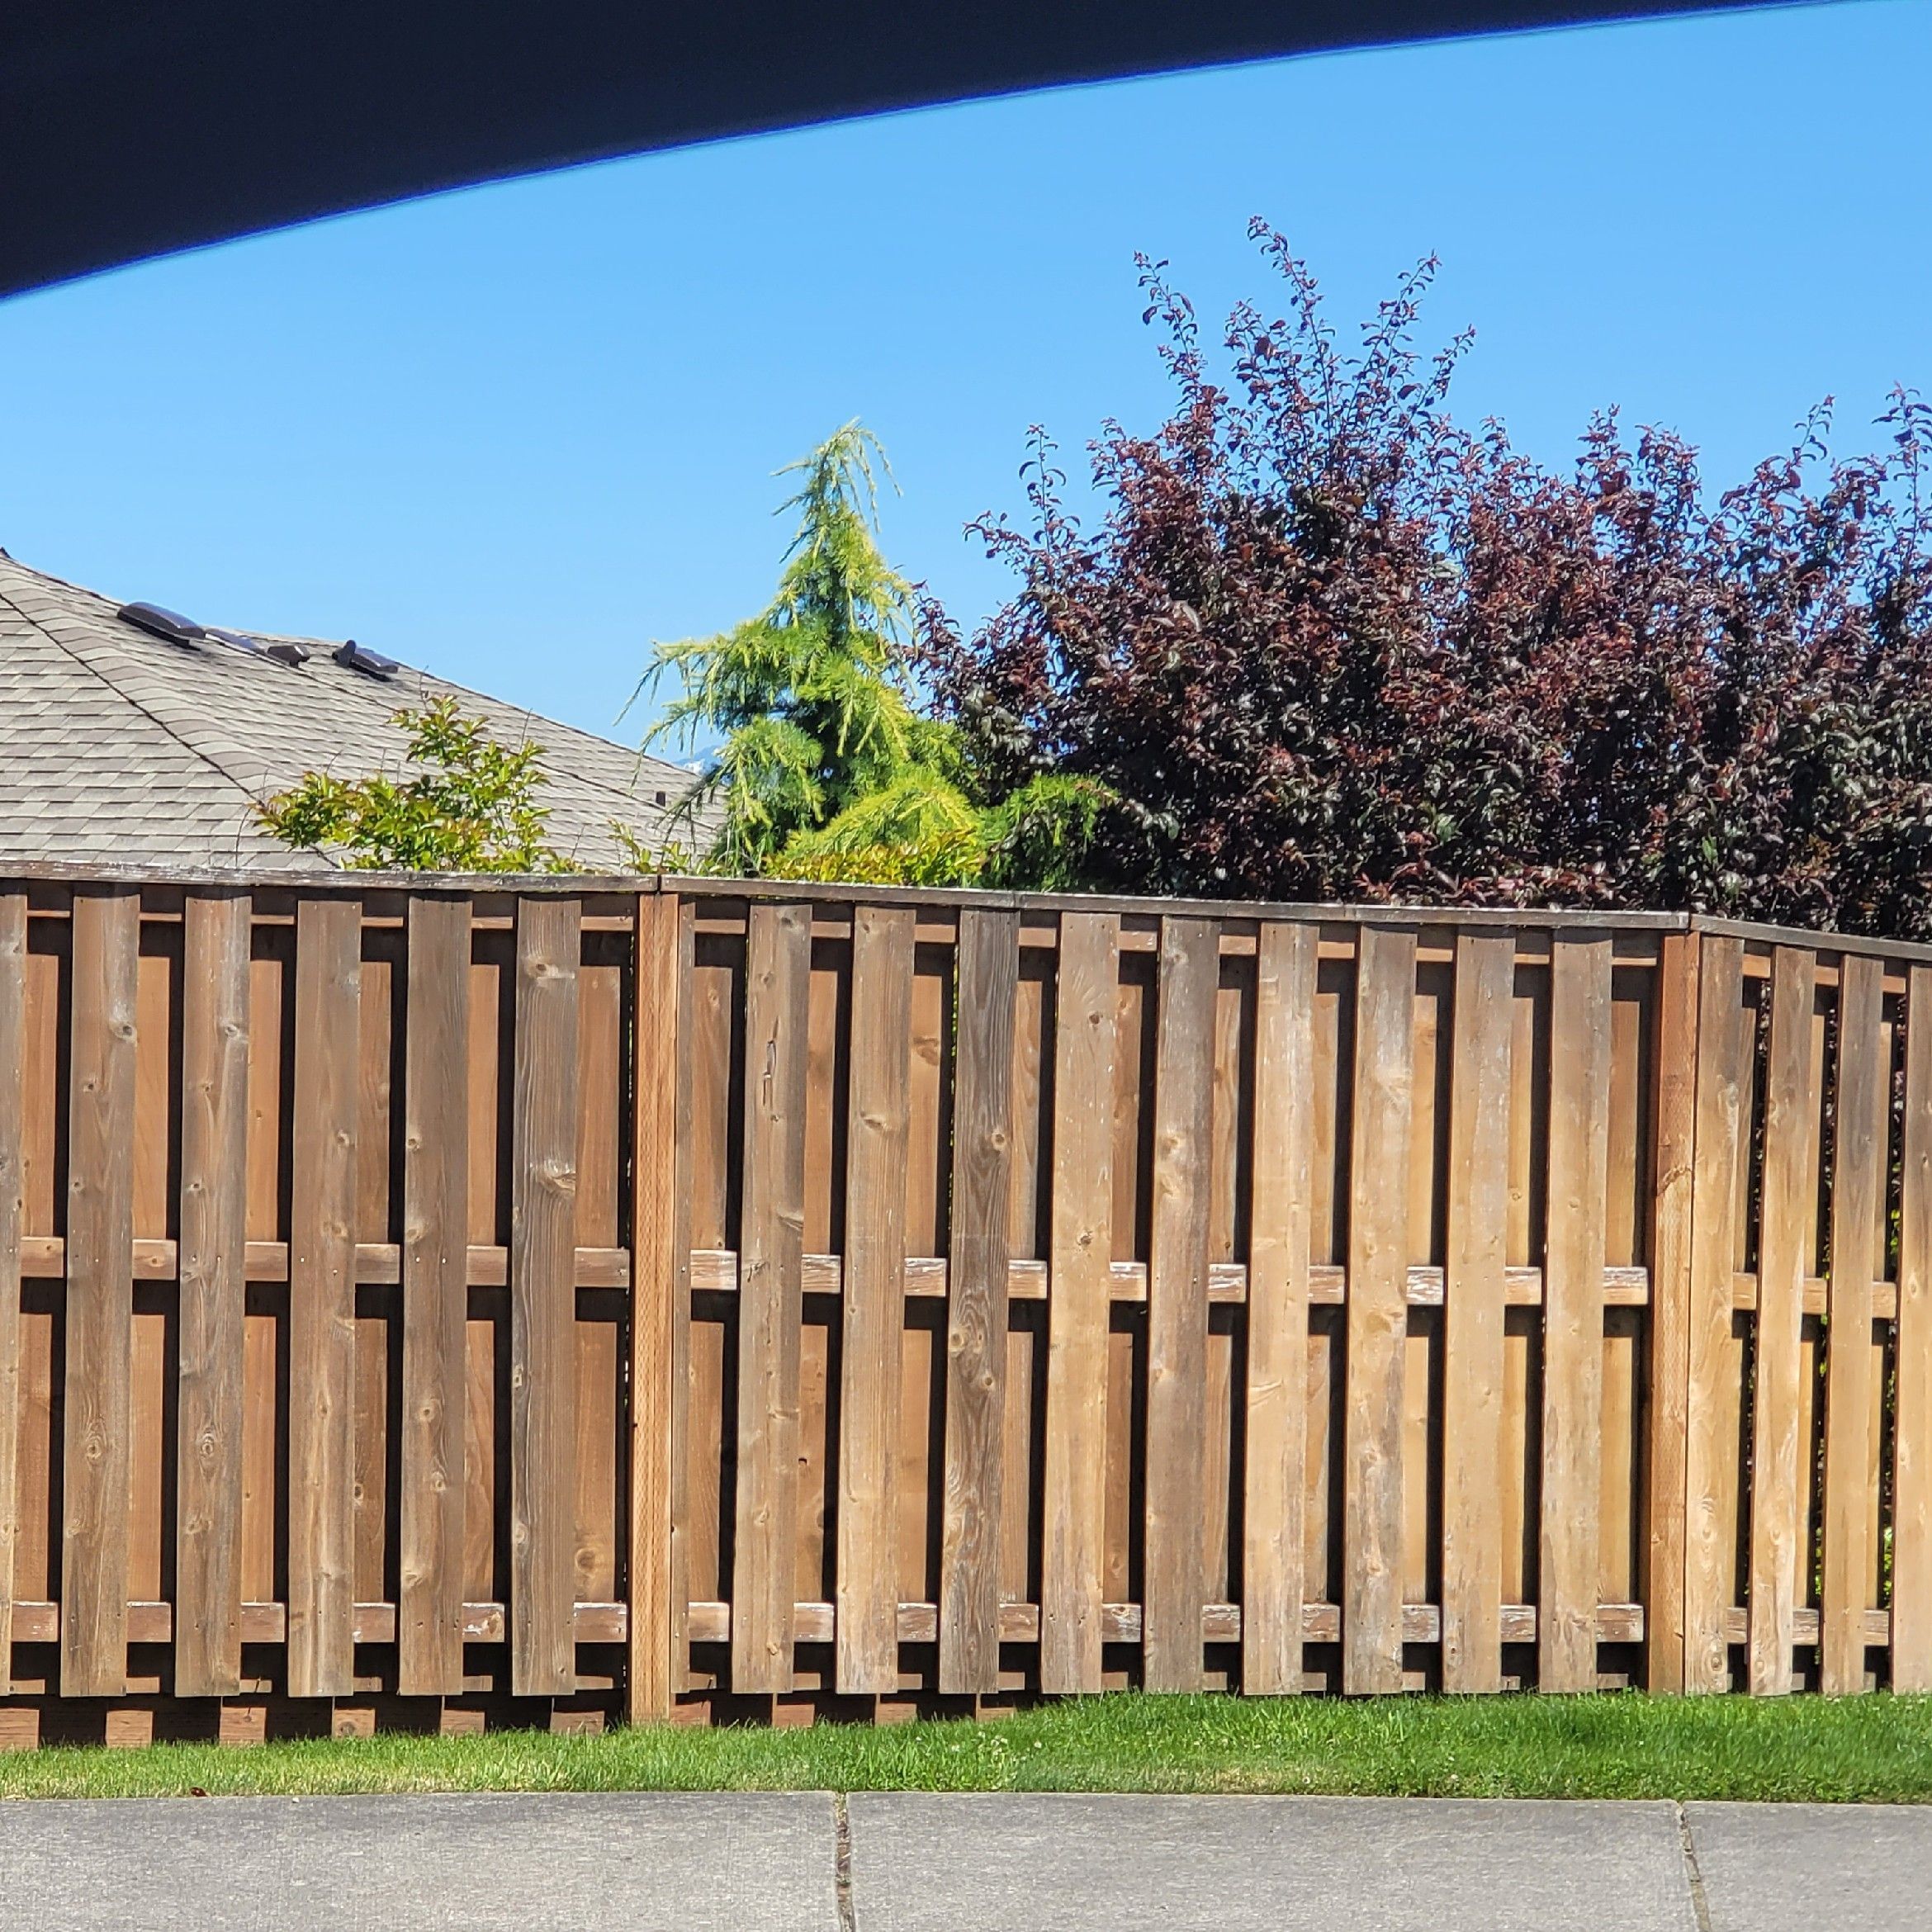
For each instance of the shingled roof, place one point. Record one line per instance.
(119, 747)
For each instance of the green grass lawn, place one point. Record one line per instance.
(1877, 1748)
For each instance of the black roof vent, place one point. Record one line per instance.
(354, 657)
(158, 622)
(283, 649)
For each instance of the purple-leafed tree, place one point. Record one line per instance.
(1323, 643)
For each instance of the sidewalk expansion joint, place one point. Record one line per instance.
(842, 1865)
(1700, 1905)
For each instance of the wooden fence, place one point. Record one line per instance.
(554, 1300)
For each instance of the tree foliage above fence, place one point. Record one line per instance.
(1328, 644)
(464, 803)
(825, 766)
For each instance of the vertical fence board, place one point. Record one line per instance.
(155, 1119)
(1784, 1244)
(46, 1087)
(13, 939)
(265, 1329)
(1911, 1549)
(877, 1144)
(661, 1298)
(322, 1306)
(771, 1295)
(1377, 1313)
(1675, 1142)
(544, 1297)
(696, 1493)
(99, 1305)
(435, 1298)
(1177, 1268)
(1074, 1518)
(1571, 1563)
(1723, 1060)
(976, 1314)
(1858, 1187)
(704, 1436)
(1272, 1565)
(213, 1236)
(490, 1083)
(1478, 1189)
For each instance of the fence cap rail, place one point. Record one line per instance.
(316, 879)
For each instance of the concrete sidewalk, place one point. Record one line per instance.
(916, 1863)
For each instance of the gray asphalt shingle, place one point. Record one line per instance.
(118, 746)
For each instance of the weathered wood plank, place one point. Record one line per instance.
(770, 1288)
(1779, 1471)
(879, 1124)
(1478, 1205)
(1378, 1314)
(100, 1290)
(1273, 1514)
(988, 962)
(213, 1255)
(544, 1298)
(1175, 1583)
(1710, 1442)
(1074, 1518)
(435, 1297)
(1674, 1138)
(1858, 1183)
(322, 1309)
(13, 938)
(1573, 1302)
(660, 1305)
(1911, 1547)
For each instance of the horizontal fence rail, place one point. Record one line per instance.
(462, 1301)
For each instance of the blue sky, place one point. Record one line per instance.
(514, 434)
